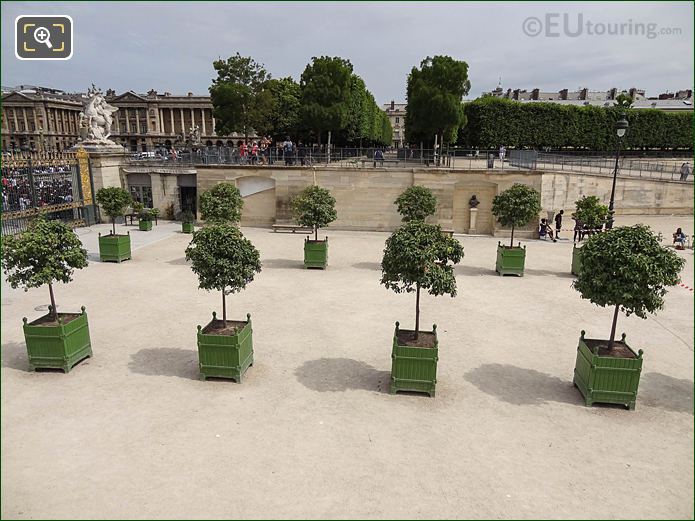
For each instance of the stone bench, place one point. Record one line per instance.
(291, 228)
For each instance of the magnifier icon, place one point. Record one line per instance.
(42, 35)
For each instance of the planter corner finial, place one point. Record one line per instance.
(640, 353)
(434, 328)
(397, 324)
(214, 315)
(199, 328)
(99, 234)
(622, 338)
(84, 309)
(248, 316)
(583, 333)
(24, 319)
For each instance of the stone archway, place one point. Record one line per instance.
(259, 200)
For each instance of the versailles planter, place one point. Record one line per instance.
(187, 227)
(145, 226)
(57, 346)
(315, 253)
(414, 368)
(225, 356)
(603, 378)
(114, 248)
(510, 261)
(576, 260)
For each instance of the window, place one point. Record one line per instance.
(398, 120)
(142, 194)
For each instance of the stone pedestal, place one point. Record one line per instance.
(474, 219)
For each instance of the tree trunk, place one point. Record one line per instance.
(511, 243)
(113, 224)
(316, 233)
(54, 309)
(224, 309)
(615, 322)
(417, 311)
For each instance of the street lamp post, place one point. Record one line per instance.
(620, 129)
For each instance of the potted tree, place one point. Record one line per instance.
(314, 207)
(49, 252)
(226, 261)
(145, 219)
(114, 200)
(514, 207)
(418, 256)
(221, 204)
(589, 213)
(416, 203)
(628, 269)
(187, 221)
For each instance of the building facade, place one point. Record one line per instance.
(396, 113)
(43, 119)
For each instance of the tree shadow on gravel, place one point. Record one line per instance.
(166, 361)
(342, 374)
(665, 392)
(552, 273)
(283, 264)
(462, 269)
(181, 261)
(374, 266)
(520, 386)
(14, 356)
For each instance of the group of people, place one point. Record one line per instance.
(51, 185)
(581, 230)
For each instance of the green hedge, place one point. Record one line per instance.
(493, 122)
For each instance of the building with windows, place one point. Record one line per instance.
(396, 113)
(40, 118)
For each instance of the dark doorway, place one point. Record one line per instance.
(188, 198)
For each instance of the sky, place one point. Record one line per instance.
(170, 46)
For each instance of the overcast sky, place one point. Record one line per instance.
(170, 46)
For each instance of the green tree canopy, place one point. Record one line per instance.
(223, 259)
(222, 203)
(591, 212)
(435, 93)
(280, 116)
(626, 267)
(114, 200)
(325, 94)
(623, 100)
(416, 203)
(419, 256)
(236, 95)
(314, 207)
(48, 252)
(516, 206)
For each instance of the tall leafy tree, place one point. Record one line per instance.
(416, 203)
(223, 259)
(48, 252)
(626, 267)
(419, 256)
(221, 204)
(516, 206)
(280, 115)
(314, 207)
(435, 93)
(236, 94)
(325, 94)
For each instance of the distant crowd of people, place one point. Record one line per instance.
(52, 185)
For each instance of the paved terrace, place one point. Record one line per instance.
(312, 432)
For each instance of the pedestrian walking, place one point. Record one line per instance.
(503, 152)
(685, 171)
(558, 223)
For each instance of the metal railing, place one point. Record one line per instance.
(599, 163)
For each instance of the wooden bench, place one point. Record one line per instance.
(291, 228)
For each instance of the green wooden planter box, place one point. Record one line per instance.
(57, 347)
(187, 227)
(223, 356)
(315, 253)
(576, 260)
(607, 379)
(510, 261)
(414, 368)
(114, 248)
(145, 226)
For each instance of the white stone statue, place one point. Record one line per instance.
(194, 135)
(97, 118)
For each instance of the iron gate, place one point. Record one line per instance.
(58, 185)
